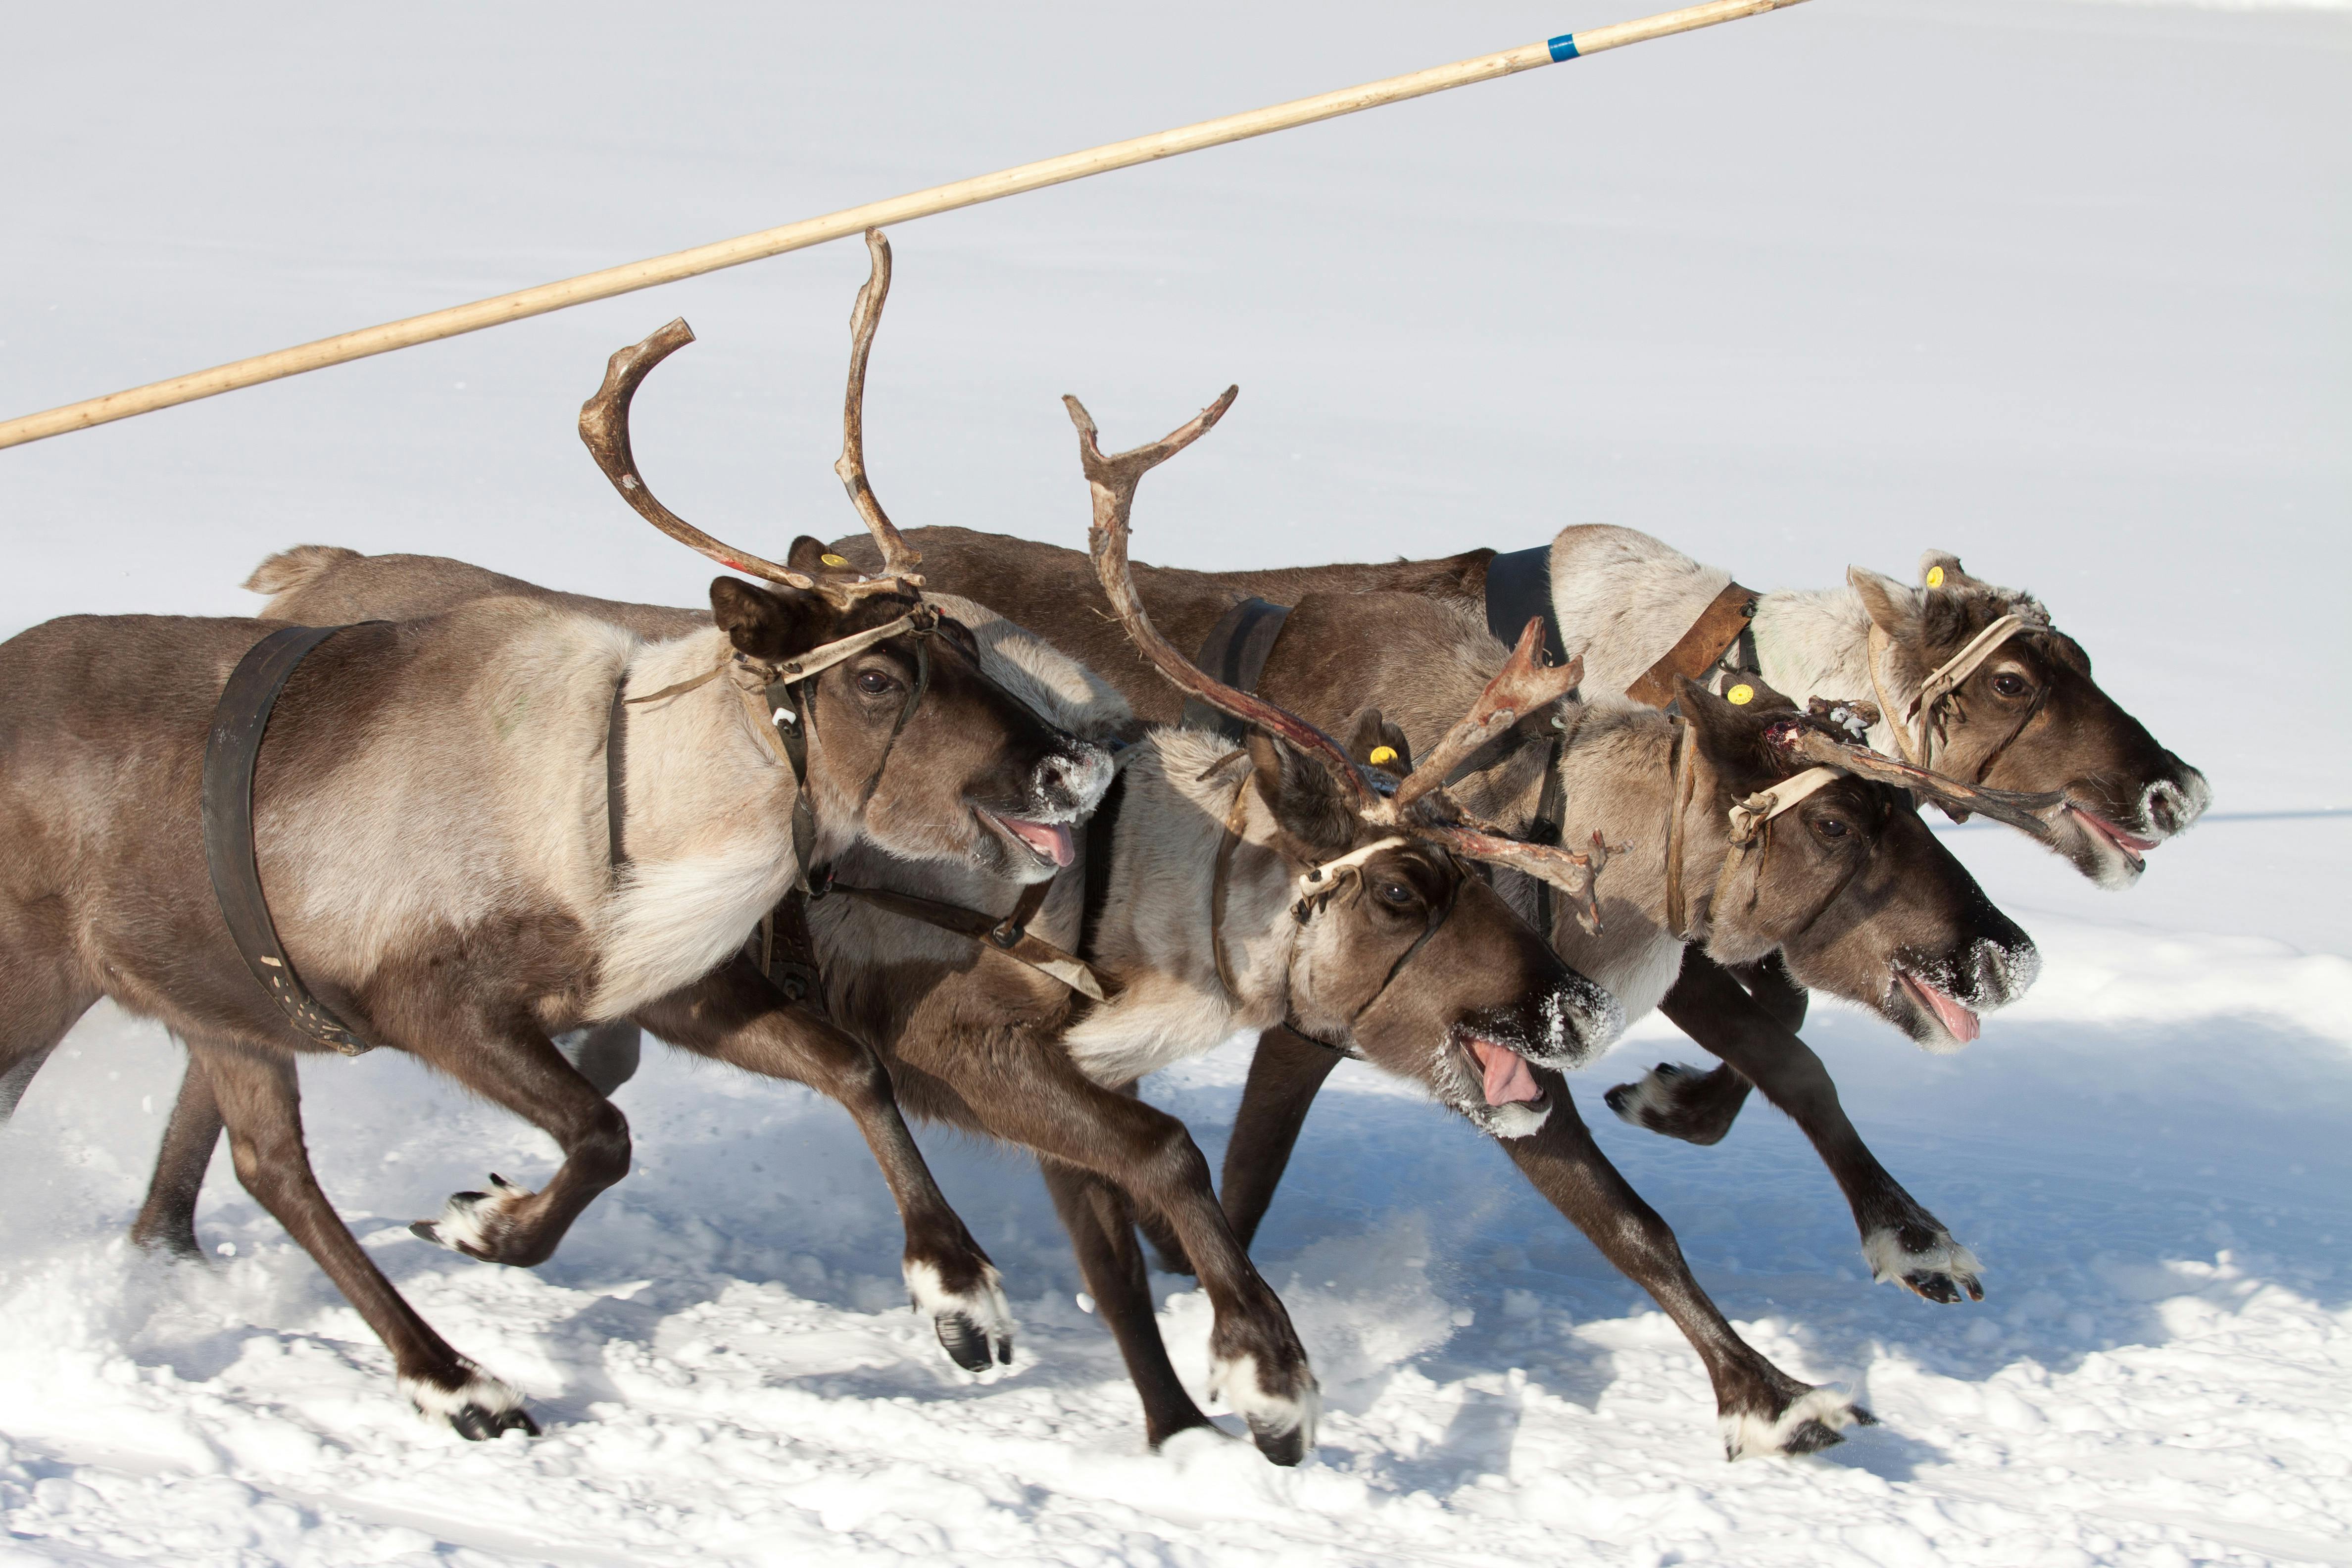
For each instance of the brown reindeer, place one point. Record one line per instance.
(485, 826)
(2056, 732)
(1234, 888)
(2022, 714)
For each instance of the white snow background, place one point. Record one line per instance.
(2064, 288)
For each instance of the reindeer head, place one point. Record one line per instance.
(862, 671)
(1825, 856)
(1396, 948)
(2007, 701)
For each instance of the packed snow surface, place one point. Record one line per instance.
(2064, 288)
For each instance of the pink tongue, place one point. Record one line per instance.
(2130, 841)
(1051, 839)
(1956, 1019)
(1508, 1081)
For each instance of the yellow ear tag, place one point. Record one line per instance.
(1740, 695)
(1935, 576)
(831, 560)
(1381, 754)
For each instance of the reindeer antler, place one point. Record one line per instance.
(604, 426)
(1113, 480)
(2035, 815)
(1520, 687)
(899, 559)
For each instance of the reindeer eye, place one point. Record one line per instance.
(1395, 893)
(2008, 684)
(874, 682)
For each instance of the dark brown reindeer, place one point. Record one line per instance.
(492, 825)
(2020, 712)
(1848, 887)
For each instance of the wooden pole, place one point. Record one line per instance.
(612, 280)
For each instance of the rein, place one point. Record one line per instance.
(1927, 709)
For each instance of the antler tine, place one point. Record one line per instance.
(1571, 871)
(2035, 815)
(604, 426)
(1520, 687)
(1113, 480)
(899, 559)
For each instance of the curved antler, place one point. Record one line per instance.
(2038, 815)
(1113, 480)
(1521, 687)
(1571, 871)
(899, 559)
(604, 426)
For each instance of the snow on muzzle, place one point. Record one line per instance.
(1952, 991)
(1562, 1026)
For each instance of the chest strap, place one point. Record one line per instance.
(232, 752)
(1009, 935)
(1723, 623)
(1235, 652)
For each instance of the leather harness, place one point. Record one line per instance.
(232, 752)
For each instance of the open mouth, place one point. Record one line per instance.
(1958, 1020)
(2134, 848)
(1504, 1075)
(1050, 842)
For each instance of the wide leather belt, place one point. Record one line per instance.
(232, 751)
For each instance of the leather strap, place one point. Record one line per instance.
(1701, 647)
(1518, 590)
(1235, 652)
(1009, 935)
(1680, 776)
(232, 751)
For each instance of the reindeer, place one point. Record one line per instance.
(1968, 676)
(1232, 887)
(485, 826)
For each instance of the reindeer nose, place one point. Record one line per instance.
(1072, 779)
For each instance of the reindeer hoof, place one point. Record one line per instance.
(974, 1325)
(477, 1424)
(1805, 1424)
(474, 1223)
(1670, 1100)
(479, 1406)
(1283, 1446)
(1281, 1422)
(1927, 1263)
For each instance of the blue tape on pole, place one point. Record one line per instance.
(1563, 47)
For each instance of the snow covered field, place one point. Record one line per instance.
(2065, 288)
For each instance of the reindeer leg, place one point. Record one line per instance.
(1040, 1100)
(167, 1220)
(735, 1015)
(525, 1073)
(606, 1054)
(1676, 1101)
(1285, 1076)
(1101, 1220)
(1763, 1410)
(1901, 1240)
(260, 1102)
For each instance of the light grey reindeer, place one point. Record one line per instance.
(481, 828)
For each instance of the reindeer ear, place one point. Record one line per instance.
(1942, 569)
(1722, 729)
(1302, 795)
(1892, 607)
(767, 623)
(1377, 743)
